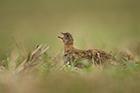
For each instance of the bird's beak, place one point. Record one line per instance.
(60, 36)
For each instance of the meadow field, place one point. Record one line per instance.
(31, 55)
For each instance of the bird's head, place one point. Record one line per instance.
(66, 38)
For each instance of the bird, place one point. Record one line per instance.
(72, 55)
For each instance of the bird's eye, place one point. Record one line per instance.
(66, 35)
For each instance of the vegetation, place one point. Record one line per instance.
(31, 56)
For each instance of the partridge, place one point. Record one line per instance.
(73, 55)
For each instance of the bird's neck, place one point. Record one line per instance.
(68, 47)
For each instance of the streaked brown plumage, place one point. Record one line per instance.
(73, 55)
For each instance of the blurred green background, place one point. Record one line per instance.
(94, 23)
(105, 24)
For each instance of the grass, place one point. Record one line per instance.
(37, 72)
